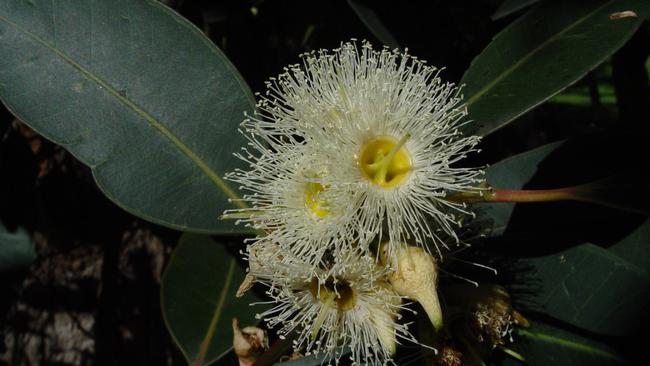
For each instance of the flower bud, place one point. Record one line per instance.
(415, 277)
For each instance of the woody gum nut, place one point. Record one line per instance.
(416, 277)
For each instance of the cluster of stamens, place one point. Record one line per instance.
(349, 150)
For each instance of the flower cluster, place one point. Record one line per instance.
(350, 149)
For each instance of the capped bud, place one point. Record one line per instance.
(415, 277)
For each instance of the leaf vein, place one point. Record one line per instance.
(535, 50)
(153, 122)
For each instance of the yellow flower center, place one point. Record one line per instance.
(385, 161)
(313, 201)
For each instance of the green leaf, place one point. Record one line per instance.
(373, 23)
(198, 298)
(591, 288)
(541, 53)
(586, 286)
(16, 249)
(543, 344)
(512, 173)
(508, 7)
(312, 360)
(518, 171)
(134, 91)
(635, 248)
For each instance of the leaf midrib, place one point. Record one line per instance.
(152, 121)
(511, 69)
(212, 328)
(569, 344)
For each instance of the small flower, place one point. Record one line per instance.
(346, 308)
(384, 132)
(290, 202)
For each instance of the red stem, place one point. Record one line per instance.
(546, 195)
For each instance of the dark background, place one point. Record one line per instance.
(92, 294)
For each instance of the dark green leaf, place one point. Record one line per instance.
(590, 287)
(305, 361)
(508, 7)
(546, 345)
(16, 249)
(540, 54)
(512, 173)
(635, 248)
(136, 92)
(198, 298)
(373, 23)
(311, 360)
(586, 286)
(518, 171)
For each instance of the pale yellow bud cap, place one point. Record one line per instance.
(415, 277)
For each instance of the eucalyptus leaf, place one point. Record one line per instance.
(536, 57)
(16, 249)
(508, 7)
(635, 248)
(198, 298)
(512, 173)
(372, 21)
(134, 91)
(311, 360)
(555, 165)
(591, 288)
(586, 286)
(543, 344)
(315, 360)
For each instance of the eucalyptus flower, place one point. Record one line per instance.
(349, 307)
(383, 130)
(290, 202)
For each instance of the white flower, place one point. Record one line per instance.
(384, 131)
(346, 308)
(289, 201)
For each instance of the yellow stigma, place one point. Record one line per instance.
(313, 201)
(385, 161)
